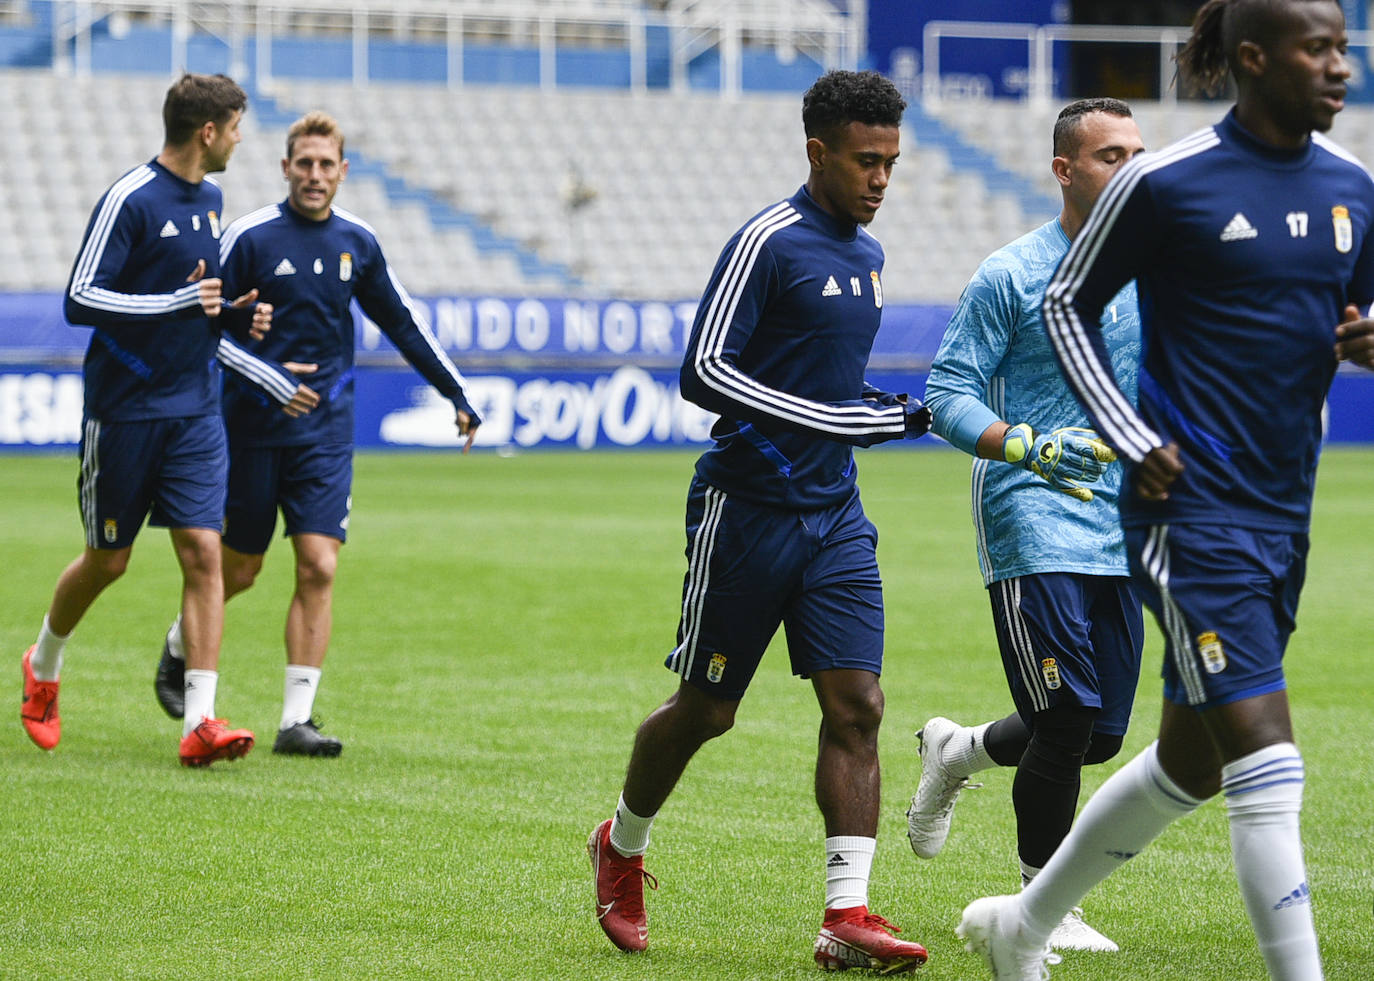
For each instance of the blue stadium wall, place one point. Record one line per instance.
(543, 372)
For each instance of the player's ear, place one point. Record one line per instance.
(1063, 171)
(343, 168)
(815, 153)
(1251, 59)
(286, 168)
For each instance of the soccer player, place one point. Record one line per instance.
(776, 533)
(1068, 622)
(152, 440)
(312, 260)
(1250, 241)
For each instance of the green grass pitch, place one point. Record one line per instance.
(500, 628)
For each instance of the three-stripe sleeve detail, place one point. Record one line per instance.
(83, 289)
(726, 379)
(254, 369)
(1092, 378)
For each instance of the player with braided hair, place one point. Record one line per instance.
(1252, 240)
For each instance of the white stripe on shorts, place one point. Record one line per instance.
(698, 580)
(1155, 558)
(1019, 635)
(90, 470)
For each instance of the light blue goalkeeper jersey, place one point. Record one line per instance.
(996, 356)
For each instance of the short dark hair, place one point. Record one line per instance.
(1070, 122)
(840, 97)
(194, 100)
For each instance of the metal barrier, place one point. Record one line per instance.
(830, 32)
(1040, 40)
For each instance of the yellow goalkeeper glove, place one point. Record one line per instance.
(1065, 458)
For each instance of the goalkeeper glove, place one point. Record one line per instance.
(1062, 457)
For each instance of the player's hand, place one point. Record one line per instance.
(1355, 338)
(262, 314)
(305, 397)
(467, 426)
(211, 299)
(1066, 458)
(918, 416)
(1157, 472)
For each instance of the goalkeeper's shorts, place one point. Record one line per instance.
(1226, 600)
(1070, 640)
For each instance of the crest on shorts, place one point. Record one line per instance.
(716, 669)
(1209, 648)
(1049, 670)
(345, 266)
(111, 529)
(1345, 233)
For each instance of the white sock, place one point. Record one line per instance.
(1127, 813)
(1263, 797)
(629, 831)
(298, 697)
(964, 754)
(1028, 874)
(200, 698)
(848, 861)
(174, 645)
(46, 662)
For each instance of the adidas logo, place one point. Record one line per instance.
(1297, 897)
(284, 268)
(832, 288)
(168, 230)
(1238, 228)
(837, 860)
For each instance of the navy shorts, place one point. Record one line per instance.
(1226, 599)
(1070, 640)
(311, 484)
(751, 568)
(173, 468)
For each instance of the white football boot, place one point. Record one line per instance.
(932, 808)
(1074, 934)
(992, 927)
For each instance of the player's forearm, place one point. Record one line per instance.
(269, 376)
(960, 419)
(95, 306)
(719, 386)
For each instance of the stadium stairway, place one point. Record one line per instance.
(965, 156)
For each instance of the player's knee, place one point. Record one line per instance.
(1059, 744)
(1103, 747)
(107, 565)
(697, 716)
(316, 571)
(855, 716)
(240, 574)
